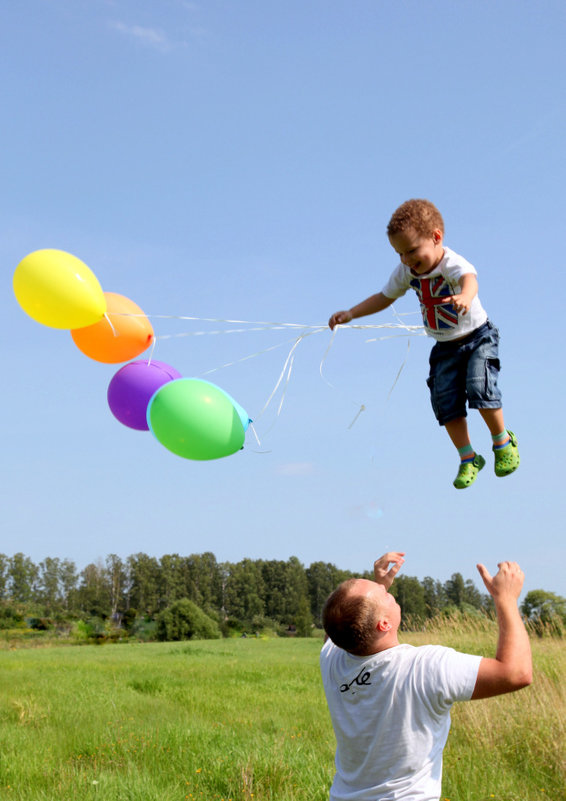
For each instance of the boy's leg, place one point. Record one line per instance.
(458, 432)
(485, 396)
(470, 461)
(446, 382)
(493, 419)
(505, 447)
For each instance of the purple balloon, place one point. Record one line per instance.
(133, 386)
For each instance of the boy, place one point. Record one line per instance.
(464, 362)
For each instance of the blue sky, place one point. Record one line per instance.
(239, 160)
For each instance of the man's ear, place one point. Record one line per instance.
(383, 625)
(437, 236)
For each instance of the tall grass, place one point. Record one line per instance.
(242, 719)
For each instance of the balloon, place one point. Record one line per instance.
(132, 388)
(58, 290)
(195, 420)
(242, 414)
(121, 339)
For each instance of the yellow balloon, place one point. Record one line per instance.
(58, 290)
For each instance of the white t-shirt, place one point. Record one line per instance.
(441, 320)
(391, 716)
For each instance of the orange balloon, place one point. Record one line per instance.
(123, 333)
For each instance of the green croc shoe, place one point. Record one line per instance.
(507, 459)
(468, 472)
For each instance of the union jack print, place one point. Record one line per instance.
(437, 314)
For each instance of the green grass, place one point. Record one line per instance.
(241, 719)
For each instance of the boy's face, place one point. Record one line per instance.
(418, 252)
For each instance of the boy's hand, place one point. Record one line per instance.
(383, 574)
(340, 318)
(460, 302)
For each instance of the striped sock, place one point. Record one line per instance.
(467, 454)
(500, 441)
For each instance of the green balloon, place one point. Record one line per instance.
(195, 419)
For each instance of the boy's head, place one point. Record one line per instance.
(416, 231)
(421, 216)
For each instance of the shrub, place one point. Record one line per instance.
(183, 620)
(143, 629)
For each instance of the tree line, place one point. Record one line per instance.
(150, 597)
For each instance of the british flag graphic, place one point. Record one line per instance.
(437, 314)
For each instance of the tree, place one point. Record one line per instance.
(434, 596)
(273, 573)
(68, 579)
(4, 567)
(22, 575)
(244, 592)
(172, 584)
(322, 579)
(409, 594)
(204, 581)
(295, 593)
(144, 580)
(94, 593)
(303, 618)
(455, 589)
(117, 579)
(183, 620)
(48, 584)
(545, 609)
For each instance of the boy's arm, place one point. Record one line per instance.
(512, 667)
(468, 290)
(371, 305)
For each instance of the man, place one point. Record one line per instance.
(390, 703)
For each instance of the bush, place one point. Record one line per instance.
(183, 620)
(97, 630)
(143, 629)
(11, 617)
(39, 623)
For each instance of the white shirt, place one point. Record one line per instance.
(441, 320)
(391, 716)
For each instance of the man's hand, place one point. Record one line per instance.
(507, 582)
(384, 574)
(340, 318)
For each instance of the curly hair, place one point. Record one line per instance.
(419, 214)
(350, 620)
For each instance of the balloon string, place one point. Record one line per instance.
(220, 320)
(285, 375)
(287, 368)
(400, 370)
(246, 358)
(327, 351)
(360, 410)
(254, 432)
(109, 321)
(265, 326)
(151, 352)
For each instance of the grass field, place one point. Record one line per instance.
(243, 719)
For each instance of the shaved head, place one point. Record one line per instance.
(350, 616)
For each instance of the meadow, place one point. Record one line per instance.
(235, 719)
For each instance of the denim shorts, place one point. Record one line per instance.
(465, 371)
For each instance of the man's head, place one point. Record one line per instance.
(361, 617)
(416, 231)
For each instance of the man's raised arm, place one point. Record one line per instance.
(382, 573)
(512, 667)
